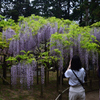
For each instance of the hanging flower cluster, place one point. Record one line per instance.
(23, 73)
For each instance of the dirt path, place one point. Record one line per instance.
(94, 95)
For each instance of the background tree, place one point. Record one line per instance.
(86, 12)
(59, 9)
(15, 8)
(94, 11)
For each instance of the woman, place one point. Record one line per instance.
(76, 91)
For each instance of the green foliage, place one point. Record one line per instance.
(21, 18)
(1, 17)
(67, 22)
(57, 51)
(4, 24)
(44, 58)
(27, 57)
(3, 43)
(10, 22)
(87, 39)
(97, 24)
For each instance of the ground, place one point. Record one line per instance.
(94, 95)
(24, 95)
(49, 92)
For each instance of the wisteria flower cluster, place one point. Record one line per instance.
(24, 73)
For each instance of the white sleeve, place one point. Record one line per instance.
(84, 74)
(67, 73)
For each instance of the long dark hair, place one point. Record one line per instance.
(76, 63)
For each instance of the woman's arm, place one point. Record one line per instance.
(67, 72)
(69, 65)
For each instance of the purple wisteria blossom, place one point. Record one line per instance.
(23, 72)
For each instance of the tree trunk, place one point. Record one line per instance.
(68, 8)
(4, 69)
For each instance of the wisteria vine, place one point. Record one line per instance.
(65, 40)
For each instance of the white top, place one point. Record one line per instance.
(73, 81)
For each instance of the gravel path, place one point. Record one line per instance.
(94, 95)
